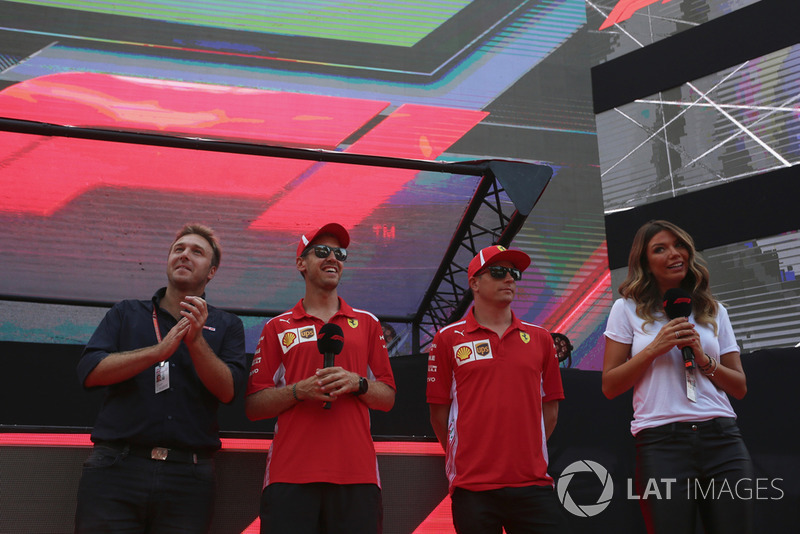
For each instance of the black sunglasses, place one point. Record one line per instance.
(499, 272)
(322, 251)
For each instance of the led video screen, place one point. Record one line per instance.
(444, 81)
(733, 124)
(633, 24)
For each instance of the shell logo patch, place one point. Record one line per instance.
(288, 339)
(463, 353)
(525, 337)
(352, 322)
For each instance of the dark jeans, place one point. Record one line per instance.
(120, 493)
(686, 468)
(530, 509)
(321, 508)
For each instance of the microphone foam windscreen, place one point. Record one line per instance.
(677, 303)
(330, 339)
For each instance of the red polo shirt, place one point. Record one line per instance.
(312, 444)
(495, 388)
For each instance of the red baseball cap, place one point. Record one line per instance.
(496, 254)
(336, 230)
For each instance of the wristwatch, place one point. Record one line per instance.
(363, 386)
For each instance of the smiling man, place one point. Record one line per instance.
(165, 365)
(322, 471)
(493, 390)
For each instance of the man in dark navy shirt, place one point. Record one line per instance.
(166, 364)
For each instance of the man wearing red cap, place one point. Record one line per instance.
(493, 391)
(322, 472)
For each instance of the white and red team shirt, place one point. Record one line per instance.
(495, 388)
(312, 444)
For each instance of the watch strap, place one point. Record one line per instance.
(363, 386)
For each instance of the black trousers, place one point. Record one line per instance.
(525, 510)
(122, 493)
(686, 468)
(321, 508)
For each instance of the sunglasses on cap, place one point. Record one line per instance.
(322, 251)
(499, 272)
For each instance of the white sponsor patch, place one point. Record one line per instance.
(472, 351)
(294, 336)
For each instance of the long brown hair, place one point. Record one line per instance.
(641, 286)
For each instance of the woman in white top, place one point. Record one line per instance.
(690, 456)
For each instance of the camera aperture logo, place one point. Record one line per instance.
(585, 510)
(742, 489)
